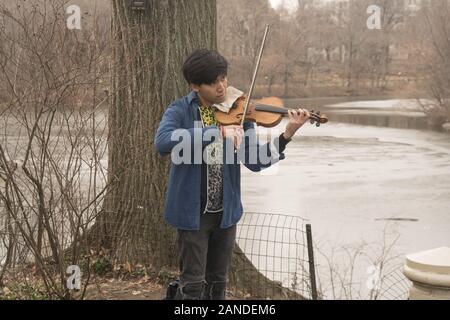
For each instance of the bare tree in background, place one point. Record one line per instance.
(366, 52)
(392, 29)
(321, 45)
(53, 143)
(240, 28)
(437, 35)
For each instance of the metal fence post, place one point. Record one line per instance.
(312, 269)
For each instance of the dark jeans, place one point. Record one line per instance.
(204, 259)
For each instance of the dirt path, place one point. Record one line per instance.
(115, 289)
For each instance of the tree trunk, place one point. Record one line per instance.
(149, 46)
(286, 81)
(350, 65)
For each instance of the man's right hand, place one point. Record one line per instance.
(235, 133)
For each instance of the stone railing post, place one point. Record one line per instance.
(429, 272)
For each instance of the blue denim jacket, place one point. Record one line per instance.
(182, 206)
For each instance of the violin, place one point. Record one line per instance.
(267, 112)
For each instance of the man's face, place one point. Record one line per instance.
(212, 93)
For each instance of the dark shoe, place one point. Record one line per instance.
(215, 291)
(190, 291)
(172, 290)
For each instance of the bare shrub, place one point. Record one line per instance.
(53, 151)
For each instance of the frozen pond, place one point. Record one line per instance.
(353, 182)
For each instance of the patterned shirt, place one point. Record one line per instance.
(214, 166)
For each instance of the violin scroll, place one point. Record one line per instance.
(318, 118)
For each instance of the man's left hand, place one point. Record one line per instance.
(297, 119)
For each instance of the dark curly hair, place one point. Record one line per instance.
(204, 66)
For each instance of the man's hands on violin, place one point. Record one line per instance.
(236, 132)
(297, 118)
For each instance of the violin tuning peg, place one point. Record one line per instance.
(318, 112)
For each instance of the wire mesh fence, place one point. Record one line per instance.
(276, 245)
(394, 285)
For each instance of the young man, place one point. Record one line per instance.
(204, 199)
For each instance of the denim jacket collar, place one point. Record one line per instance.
(192, 96)
(193, 100)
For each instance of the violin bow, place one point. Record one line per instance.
(255, 73)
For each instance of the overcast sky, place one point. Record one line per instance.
(290, 4)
